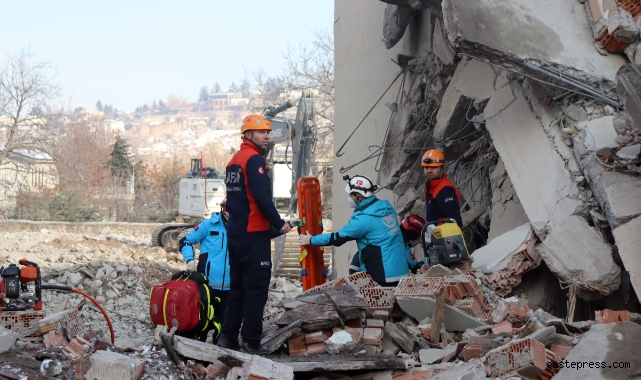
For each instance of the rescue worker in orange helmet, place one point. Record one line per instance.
(252, 220)
(442, 198)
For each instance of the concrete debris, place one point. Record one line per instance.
(628, 241)
(50, 368)
(505, 259)
(395, 22)
(107, 365)
(561, 38)
(7, 339)
(628, 80)
(607, 344)
(528, 118)
(507, 210)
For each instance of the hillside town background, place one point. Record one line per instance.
(100, 163)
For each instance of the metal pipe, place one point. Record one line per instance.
(283, 107)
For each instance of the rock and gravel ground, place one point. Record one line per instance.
(118, 271)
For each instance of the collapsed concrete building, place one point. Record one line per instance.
(536, 109)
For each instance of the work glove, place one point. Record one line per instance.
(191, 265)
(305, 239)
(294, 222)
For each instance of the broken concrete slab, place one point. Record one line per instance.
(617, 193)
(498, 249)
(422, 307)
(441, 46)
(507, 258)
(433, 355)
(7, 339)
(537, 171)
(578, 254)
(507, 210)
(472, 80)
(107, 365)
(607, 343)
(628, 88)
(438, 271)
(395, 22)
(628, 241)
(600, 135)
(265, 369)
(553, 35)
(545, 335)
(629, 152)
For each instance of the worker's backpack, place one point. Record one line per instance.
(187, 302)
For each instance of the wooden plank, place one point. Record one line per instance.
(169, 348)
(194, 349)
(324, 363)
(437, 317)
(271, 342)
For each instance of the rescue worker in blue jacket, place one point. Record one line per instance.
(213, 260)
(252, 220)
(374, 225)
(411, 227)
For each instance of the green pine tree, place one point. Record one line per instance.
(120, 161)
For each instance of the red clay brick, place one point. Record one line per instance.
(316, 348)
(560, 350)
(527, 348)
(611, 316)
(314, 337)
(296, 344)
(504, 326)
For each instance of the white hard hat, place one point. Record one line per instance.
(361, 185)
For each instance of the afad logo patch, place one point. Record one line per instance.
(261, 170)
(196, 228)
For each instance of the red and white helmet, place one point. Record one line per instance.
(360, 184)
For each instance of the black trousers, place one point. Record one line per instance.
(250, 271)
(220, 310)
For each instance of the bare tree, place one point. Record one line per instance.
(27, 104)
(81, 150)
(308, 66)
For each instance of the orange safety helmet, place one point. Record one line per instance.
(433, 157)
(255, 123)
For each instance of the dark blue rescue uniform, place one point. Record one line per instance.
(252, 220)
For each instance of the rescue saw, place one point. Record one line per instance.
(21, 289)
(443, 242)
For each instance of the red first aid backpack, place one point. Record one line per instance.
(187, 303)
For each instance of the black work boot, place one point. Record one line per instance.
(249, 349)
(226, 343)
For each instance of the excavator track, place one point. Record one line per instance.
(167, 236)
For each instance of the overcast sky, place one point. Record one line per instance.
(127, 53)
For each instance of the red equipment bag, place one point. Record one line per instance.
(187, 303)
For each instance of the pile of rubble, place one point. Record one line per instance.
(441, 324)
(438, 325)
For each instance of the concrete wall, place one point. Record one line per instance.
(363, 70)
(93, 228)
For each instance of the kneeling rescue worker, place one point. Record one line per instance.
(374, 225)
(252, 216)
(213, 260)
